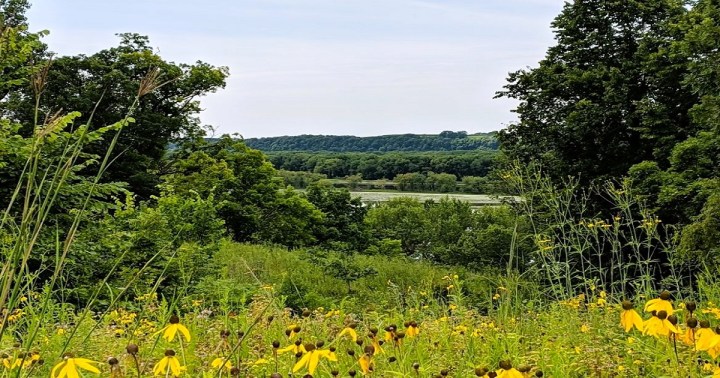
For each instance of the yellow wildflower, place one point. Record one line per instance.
(69, 367)
(168, 364)
(172, 329)
(350, 331)
(630, 318)
(311, 359)
(221, 362)
(295, 348)
(706, 337)
(412, 329)
(660, 304)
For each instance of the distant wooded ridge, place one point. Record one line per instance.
(445, 141)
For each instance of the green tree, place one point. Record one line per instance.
(103, 86)
(602, 99)
(403, 219)
(251, 199)
(343, 225)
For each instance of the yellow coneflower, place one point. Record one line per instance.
(659, 325)
(222, 362)
(366, 360)
(629, 318)
(689, 336)
(375, 341)
(660, 304)
(706, 338)
(69, 367)
(412, 329)
(295, 348)
(390, 333)
(350, 331)
(508, 371)
(168, 364)
(311, 359)
(292, 330)
(172, 329)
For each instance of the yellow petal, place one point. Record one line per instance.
(184, 331)
(314, 361)
(170, 332)
(70, 369)
(175, 366)
(84, 363)
(57, 367)
(303, 362)
(161, 367)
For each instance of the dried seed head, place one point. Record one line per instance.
(309, 347)
(235, 371)
(297, 329)
(539, 373)
(298, 342)
(691, 322)
(350, 352)
(492, 374)
(505, 365)
(359, 342)
(481, 371)
(352, 325)
(673, 319)
(276, 344)
(174, 319)
(352, 373)
(306, 313)
(224, 334)
(169, 353)
(132, 349)
(416, 366)
(332, 349)
(444, 372)
(524, 368)
(665, 295)
(392, 359)
(627, 305)
(112, 361)
(373, 330)
(662, 314)
(690, 306)
(369, 350)
(319, 344)
(704, 324)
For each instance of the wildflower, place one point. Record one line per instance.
(629, 317)
(508, 371)
(375, 342)
(366, 360)
(706, 338)
(169, 364)
(584, 328)
(660, 304)
(412, 329)
(172, 329)
(295, 348)
(659, 325)
(311, 359)
(222, 362)
(350, 331)
(69, 367)
(292, 330)
(689, 336)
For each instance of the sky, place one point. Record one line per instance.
(344, 67)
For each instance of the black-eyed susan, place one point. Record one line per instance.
(350, 331)
(311, 359)
(508, 371)
(169, 332)
(70, 365)
(168, 365)
(661, 303)
(629, 318)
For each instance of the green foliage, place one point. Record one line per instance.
(250, 198)
(379, 165)
(343, 224)
(445, 141)
(105, 84)
(603, 99)
(448, 232)
(300, 180)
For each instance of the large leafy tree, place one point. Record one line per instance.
(250, 198)
(103, 86)
(606, 96)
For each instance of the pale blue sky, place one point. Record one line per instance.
(358, 67)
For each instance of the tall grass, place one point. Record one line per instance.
(618, 246)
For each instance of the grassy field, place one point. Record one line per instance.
(473, 199)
